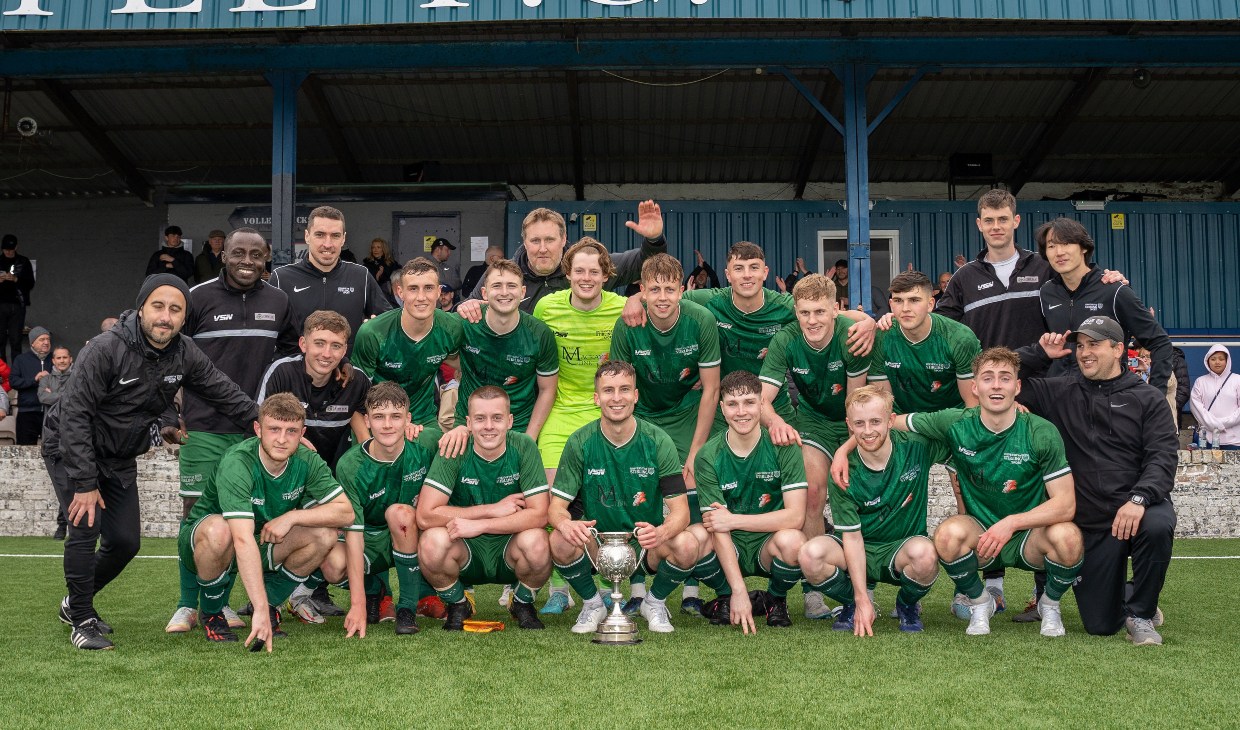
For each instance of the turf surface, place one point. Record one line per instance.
(700, 676)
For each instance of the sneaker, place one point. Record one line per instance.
(632, 606)
(846, 620)
(558, 601)
(1159, 619)
(406, 622)
(387, 609)
(592, 614)
(505, 598)
(526, 616)
(104, 628)
(1141, 632)
(979, 616)
(657, 617)
(719, 611)
(432, 607)
(303, 608)
(1052, 618)
(87, 635)
(456, 614)
(276, 619)
(760, 601)
(960, 606)
(372, 607)
(910, 617)
(1030, 614)
(895, 612)
(59, 534)
(692, 606)
(777, 613)
(1000, 603)
(182, 621)
(323, 602)
(234, 621)
(246, 610)
(217, 627)
(816, 606)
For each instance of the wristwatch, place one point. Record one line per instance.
(1137, 499)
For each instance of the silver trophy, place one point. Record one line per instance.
(615, 561)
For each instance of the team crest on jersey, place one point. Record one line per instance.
(934, 386)
(687, 349)
(345, 289)
(393, 365)
(1017, 459)
(938, 367)
(836, 388)
(771, 329)
(518, 359)
(762, 353)
(304, 404)
(910, 474)
(170, 379)
(510, 380)
(684, 374)
(414, 475)
(639, 499)
(436, 359)
(1093, 306)
(1009, 486)
(641, 472)
(764, 500)
(766, 476)
(907, 500)
(295, 494)
(835, 365)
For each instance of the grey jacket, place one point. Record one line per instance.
(52, 385)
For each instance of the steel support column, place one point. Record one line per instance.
(856, 79)
(284, 85)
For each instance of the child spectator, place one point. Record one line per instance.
(1215, 401)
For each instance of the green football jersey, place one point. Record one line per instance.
(513, 361)
(821, 376)
(1000, 474)
(374, 485)
(745, 337)
(618, 485)
(242, 488)
(891, 504)
(749, 485)
(923, 375)
(384, 352)
(584, 339)
(470, 480)
(668, 364)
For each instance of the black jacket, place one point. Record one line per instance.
(1182, 386)
(998, 315)
(329, 410)
(16, 292)
(119, 387)
(348, 289)
(1118, 434)
(26, 367)
(628, 270)
(240, 331)
(182, 263)
(1065, 310)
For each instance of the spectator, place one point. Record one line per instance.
(50, 389)
(798, 270)
(107, 323)
(944, 277)
(441, 251)
(28, 369)
(839, 275)
(702, 277)
(1179, 368)
(1216, 401)
(380, 263)
(474, 275)
(4, 376)
(208, 263)
(1143, 369)
(171, 258)
(16, 281)
(447, 298)
(348, 255)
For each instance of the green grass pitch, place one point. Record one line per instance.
(700, 676)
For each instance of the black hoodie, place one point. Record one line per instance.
(119, 387)
(1118, 434)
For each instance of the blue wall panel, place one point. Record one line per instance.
(1182, 258)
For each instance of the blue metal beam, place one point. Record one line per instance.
(856, 80)
(961, 52)
(811, 98)
(895, 100)
(284, 85)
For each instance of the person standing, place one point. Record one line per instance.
(50, 389)
(126, 379)
(172, 258)
(381, 263)
(1215, 401)
(441, 251)
(28, 369)
(207, 264)
(474, 275)
(16, 281)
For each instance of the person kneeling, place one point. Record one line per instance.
(483, 513)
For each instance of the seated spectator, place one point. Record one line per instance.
(207, 265)
(1215, 401)
(380, 263)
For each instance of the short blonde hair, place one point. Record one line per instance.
(867, 393)
(814, 286)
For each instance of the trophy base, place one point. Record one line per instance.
(615, 640)
(617, 634)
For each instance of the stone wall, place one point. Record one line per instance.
(1207, 494)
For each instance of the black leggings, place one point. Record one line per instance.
(117, 529)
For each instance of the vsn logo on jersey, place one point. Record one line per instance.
(596, 472)
(639, 499)
(223, 317)
(1009, 486)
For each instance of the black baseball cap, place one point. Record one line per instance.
(171, 230)
(9, 241)
(442, 242)
(1099, 328)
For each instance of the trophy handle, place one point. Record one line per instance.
(594, 534)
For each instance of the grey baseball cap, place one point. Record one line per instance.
(1099, 328)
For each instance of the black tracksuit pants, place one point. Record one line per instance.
(117, 529)
(1104, 595)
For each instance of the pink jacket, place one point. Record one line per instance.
(1222, 420)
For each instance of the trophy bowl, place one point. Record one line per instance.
(616, 561)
